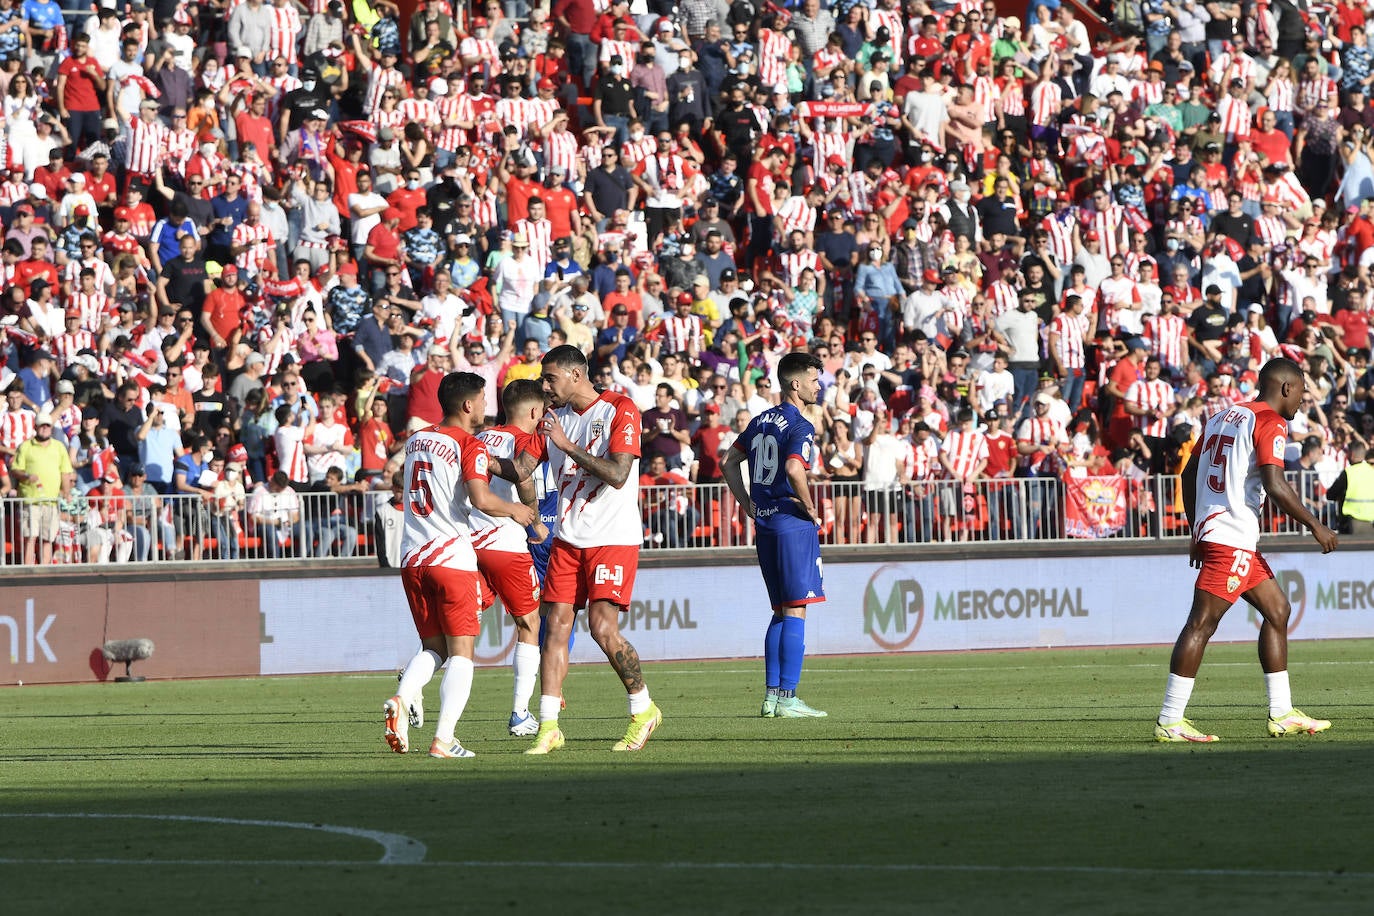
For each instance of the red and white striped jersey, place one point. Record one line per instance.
(1156, 395)
(515, 113)
(560, 151)
(104, 278)
(825, 60)
(625, 50)
(1060, 230)
(1042, 432)
(1071, 329)
(147, 146)
(541, 111)
(1314, 93)
(116, 243)
(773, 48)
(180, 144)
(963, 451)
(438, 525)
(282, 32)
(633, 152)
(1109, 224)
(540, 236)
(987, 96)
(484, 209)
(681, 335)
(922, 459)
(1235, 444)
(1272, 230)
(13, 190)
(93, 307)
(1168, 338)
(592, 513)
(379, 81)
(485, 50)
(451, 109)
(260, 246)
(1230, 66)
(16, 428)
(1135, 259)
(896, 29)
(290, 445)
(1003, 297)
(831, 143)
(796, 214)
(422, 111)
(1146, 94)
(283, 84)
(1046, 101)
(66, 346)
(1012, 98)
(1235, 118)
(793, 263)
(1118, 293)
(1280, 94)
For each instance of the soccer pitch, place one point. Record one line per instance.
(958, 783)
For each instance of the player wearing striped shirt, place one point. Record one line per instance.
(1237, 465)
(1151, 403)
(447, 479)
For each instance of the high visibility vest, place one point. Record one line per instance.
(1359, 492)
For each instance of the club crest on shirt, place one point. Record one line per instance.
(1232, 583)
(598, 429)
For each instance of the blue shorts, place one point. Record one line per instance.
(790, 560)
(539, 553)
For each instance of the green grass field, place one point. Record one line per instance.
(1020, 782)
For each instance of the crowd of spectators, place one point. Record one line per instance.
(243, 242)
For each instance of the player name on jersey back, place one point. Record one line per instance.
(1236, 443)
(437, 530)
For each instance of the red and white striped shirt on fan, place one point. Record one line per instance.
(66, 346)
(540, 236)
(282, 33)
(681, 334)
(423, 111)
(1168, 336)
(792, 263)
(796, 214)
(16, 428)
(560, 151)
(379, 82)
(963, 451)
(1156, 395)
(93, 308)
(1046, 101)
(1107, 224)
(1070, 331)
(258, 243)
(147, 146)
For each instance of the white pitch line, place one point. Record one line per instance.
(397, 848)
(890, 868)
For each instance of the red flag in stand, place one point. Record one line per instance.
(1094, 507)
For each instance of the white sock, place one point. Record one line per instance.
(548, 708)
(418, 674)
(639, 702)
(1176, 694)
(453, 696)
(1280, 696)
(525, 665)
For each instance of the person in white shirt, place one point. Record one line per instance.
(366, 208)
(517, 279)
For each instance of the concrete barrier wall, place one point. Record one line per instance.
(357, 620)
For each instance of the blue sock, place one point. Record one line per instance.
(791, 651)
(771, 640)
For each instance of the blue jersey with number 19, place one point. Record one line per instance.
(774, 436)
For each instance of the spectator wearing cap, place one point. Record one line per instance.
(382, 253)
(88, 447)
(76, 197)
(37, 377)
(24, 229)
(222, 311)
(614, 340)
(184, 281)
(1207, 328)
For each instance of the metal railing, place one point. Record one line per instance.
(124, 528)
(1044, 509)
(128, 529)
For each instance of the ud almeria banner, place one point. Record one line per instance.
(1094, 507)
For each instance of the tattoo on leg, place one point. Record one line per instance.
(625, 660)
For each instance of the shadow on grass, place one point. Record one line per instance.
(967, 828)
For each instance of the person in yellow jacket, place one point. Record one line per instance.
(1354, 491)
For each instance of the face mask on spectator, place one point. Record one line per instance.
(617, 70)
(413, 184)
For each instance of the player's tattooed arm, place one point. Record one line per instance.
(626, 662)
(614, 468)
(515, 469)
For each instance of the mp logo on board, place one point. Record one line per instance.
(894, 607)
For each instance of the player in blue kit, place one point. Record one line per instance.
(778, 446)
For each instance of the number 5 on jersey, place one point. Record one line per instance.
(419, 495)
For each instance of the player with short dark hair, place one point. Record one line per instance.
(1238, 461)
(447, 477)
(503, 547)
(779, 446)
(591, 440)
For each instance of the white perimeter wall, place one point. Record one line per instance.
(362, 623)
